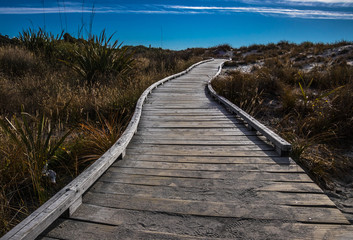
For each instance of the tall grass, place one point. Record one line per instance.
(91, 85)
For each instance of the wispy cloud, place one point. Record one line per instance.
(293, 13)
(75, 8)
(181, 9)
(39, 10)
(313, 3)
(322, 1)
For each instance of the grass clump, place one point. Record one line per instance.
(97, 59)
(33, 139)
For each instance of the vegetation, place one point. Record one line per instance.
(304, 92)
(63, 103)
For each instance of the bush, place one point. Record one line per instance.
(97, 59)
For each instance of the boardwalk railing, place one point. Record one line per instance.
(68, 199)
(282, 147)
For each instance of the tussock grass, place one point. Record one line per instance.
(311, 108)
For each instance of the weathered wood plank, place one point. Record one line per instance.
(214, 183)
(247, 150)
(79, 230)
(195, 142)
(200, 124)
(218, 209)
(214, 160)
(236, 196)
(192, 132)
(223, 228)
(210, 166)
(202, 139)
(191, 118)
(241, 176)
(209, 149)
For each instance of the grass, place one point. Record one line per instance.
(32, 137)
(312, 109)
(63, 103)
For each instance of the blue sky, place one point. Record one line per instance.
(179, 24)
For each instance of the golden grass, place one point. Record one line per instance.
(311, 109)
(42, 84)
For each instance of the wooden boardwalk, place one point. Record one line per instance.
(194, 171)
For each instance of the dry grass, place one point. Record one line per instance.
(313, 109)
(43, 75)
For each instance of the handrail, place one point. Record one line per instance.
(282, 147)
(70, 197)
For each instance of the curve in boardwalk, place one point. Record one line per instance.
(194, 171)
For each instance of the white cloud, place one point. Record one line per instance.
(31, 10)
(312, 14)
(322, 1)
(38, 10)
(312, 3)
(179, 9)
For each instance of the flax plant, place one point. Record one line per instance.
(97, 58)
(34, 136)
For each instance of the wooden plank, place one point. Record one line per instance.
(209, 183)
(210, 166)
(224, 228)
(223, 149)
(171, 150)
(202, 111)
(203, 135)
(214, 160)
(48, 238)
(80, 230)
(203, 139)
(241, 176)
(191, 118)
(180, 124)
(247, 153)
(210, 131)
(193, 132)
(182, 113)
(207, 107)
(237, 196)
(217, 209)
(195, 142)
